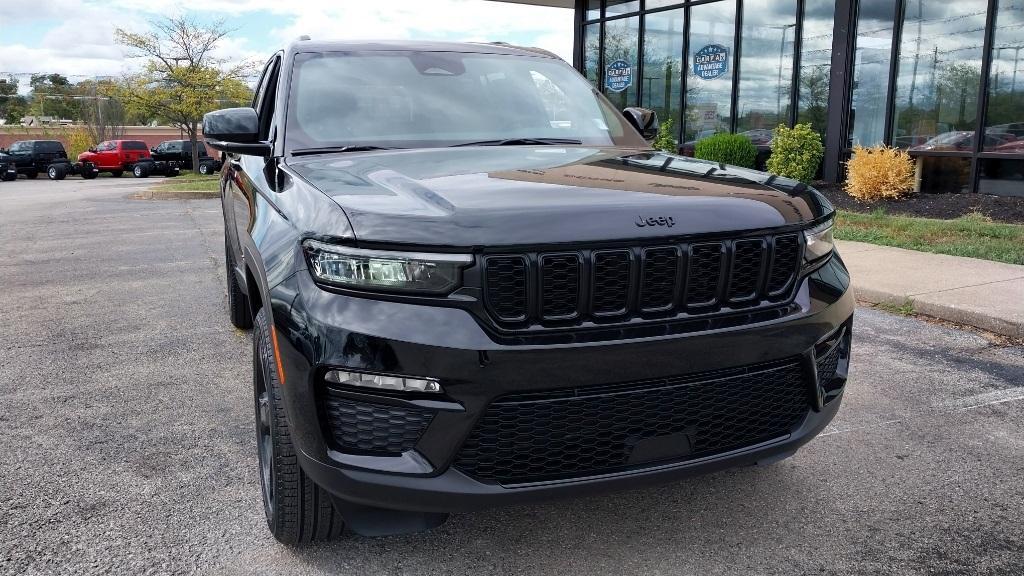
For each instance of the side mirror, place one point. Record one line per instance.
(92, 149)
(234, 130)
(644, 120)
(152, 149)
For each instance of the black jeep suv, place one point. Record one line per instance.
(472, 283)
(31, 157)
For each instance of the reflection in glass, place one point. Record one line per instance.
(651, 4)
(943, 174)
(591, 52)
(939, 71)
(1002, 176)
(663, 64)
(1005, 119)
(816, 63)
(708, 94)
(620, 46)
(766, 64)
(871, 71)
(621, 6)
(593, 9)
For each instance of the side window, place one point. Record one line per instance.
(267, 97)
(105, 146)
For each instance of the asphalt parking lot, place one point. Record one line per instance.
(128, 446)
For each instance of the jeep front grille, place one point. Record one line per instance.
(616, 285)
(576, 432)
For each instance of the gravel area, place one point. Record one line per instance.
(129, 445)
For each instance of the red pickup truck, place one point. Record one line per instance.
(118, 156)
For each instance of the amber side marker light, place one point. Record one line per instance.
(277, 355)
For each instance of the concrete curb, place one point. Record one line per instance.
(923, 305)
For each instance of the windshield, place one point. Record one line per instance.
(433, 99)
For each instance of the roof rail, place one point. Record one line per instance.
(303, 38)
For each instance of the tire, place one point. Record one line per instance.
(31, 174)
(88, 172)
(238, 302)
(56, 172)
(141, 170)
(206, 169)
(297, 510)
(172, 172)
(8, 176)
(116, 173)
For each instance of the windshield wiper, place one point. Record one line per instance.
(520, 141)
(338, 149)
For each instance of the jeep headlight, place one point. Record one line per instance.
(380, 270)
(819, 241)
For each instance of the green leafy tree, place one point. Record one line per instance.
(53, 95)
(13, 107)
(182, 80)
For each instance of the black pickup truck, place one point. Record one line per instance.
(472, 282)
(32, 157)
(180, 151)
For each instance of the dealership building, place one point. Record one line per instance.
(928, 76)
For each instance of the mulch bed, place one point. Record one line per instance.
(941, 206)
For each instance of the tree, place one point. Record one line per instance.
(182, 79)
(13, 107)
(53, 95)
(102, 112)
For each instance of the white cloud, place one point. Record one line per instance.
(79, 37)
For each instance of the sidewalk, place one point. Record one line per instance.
(988, 295)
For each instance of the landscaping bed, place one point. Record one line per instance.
(1008, 209)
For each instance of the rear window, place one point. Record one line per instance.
(48, 146)
(133, 145)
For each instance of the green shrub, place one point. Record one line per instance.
(796, 152)
(727, 148)
(665, 140)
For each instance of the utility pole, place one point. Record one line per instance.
(917, 56)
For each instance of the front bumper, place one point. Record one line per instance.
(317, 329)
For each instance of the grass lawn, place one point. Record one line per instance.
(189, 182)
(974, 235)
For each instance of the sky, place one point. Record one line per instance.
(76, 37)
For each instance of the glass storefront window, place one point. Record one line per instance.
(591, 52)
(816, 63)
(621, 7)
(939, 174)
(871, 71)
(593, 9)
(663, 64)
(619, 78)
(709, 69)
(662, 3)
(1004, 123)
(939, 71)
(1002, 176)
(766, 64)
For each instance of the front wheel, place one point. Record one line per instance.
(140, 170)
(298, 511)
(205, 169)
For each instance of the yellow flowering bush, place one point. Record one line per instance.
(879, 173)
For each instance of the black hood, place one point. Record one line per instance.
(516, 195)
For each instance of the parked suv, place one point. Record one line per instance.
(180, 151)
(119, 156)
(31, 157)
(472, 282)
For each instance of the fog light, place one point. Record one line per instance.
(397, 383)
